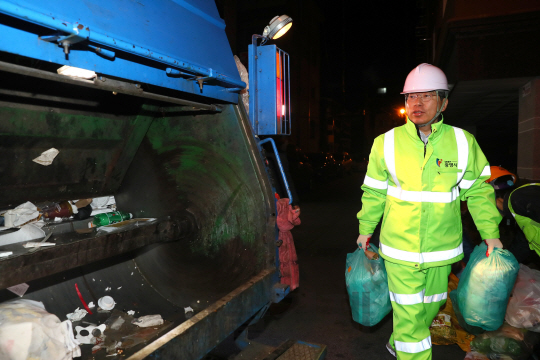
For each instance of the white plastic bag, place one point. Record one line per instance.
(28, 331)
(524, 306)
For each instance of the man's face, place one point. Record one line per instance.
(422, 109)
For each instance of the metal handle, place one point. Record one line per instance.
(280, 166)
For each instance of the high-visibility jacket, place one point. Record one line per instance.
(419, 187)
(530, 228)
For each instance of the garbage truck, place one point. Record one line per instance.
(136, 100)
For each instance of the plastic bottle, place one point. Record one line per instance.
(110, 218)
(60, 210)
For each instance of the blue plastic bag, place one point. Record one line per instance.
(485, 286)
(367, 285)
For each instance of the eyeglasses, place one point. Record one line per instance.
(424, 97)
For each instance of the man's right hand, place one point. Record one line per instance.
(363, 241)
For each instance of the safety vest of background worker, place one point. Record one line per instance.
(524, 205)
(417, 175)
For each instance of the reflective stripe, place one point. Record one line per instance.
(424, 196)
(408, 299)
(466, 184)
(389, 156)
(376, 184)
(463, 152)
(413, 347)
(486, 171)
(421, 258)
(435, 297)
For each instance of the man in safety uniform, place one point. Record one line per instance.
(416, 177)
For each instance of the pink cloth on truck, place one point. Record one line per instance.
(287, 219)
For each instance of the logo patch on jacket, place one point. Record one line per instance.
(446, 163)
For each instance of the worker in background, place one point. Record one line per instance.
(416, 177)
(523, 204)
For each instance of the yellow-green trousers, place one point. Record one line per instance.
(416, 296)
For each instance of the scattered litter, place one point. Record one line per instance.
(117, 323)
(148, 320)
(19, 289)
(91, 305)
(33, 333)
(189, 312)
(85, 335)
(82, 300)
(93, 279)
(118, 288)
(21, 215)
(107, 289)
(77, 315)
(46, 158)
(6, 253)
(106, 303)
(57, 219)
(131, 312)
(131, 273)
(112, 354)
(32, 244)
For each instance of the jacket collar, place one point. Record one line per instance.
(436, 128)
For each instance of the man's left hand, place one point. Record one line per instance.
(491, 244)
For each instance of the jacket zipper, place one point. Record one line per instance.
(425, 150)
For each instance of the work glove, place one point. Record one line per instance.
(363, 241)
(491, 244)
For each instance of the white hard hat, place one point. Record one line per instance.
(425, 77)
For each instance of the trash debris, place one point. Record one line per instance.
(34, 333)
(188, 309)
(6, 253)
(117, 323)
(25, 233)
(485, 286)
(118, 288)
(106, 303)
(21, 215)
(125, 225)
(131, 312)
(37, 244)
(82, 300)
(103, 204)
(445, 328)
(524, 307)
(77, 315)
(108, 288)
(19, 289)
(87, 335)
(148, 320)
(64, 209)
(110, 218)
(367, 286)
(515, 344)
(473, 355)
(46, 158)
(91, 305)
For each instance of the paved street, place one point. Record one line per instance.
(319, 310)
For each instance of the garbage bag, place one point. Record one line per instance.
(28, 331)
(367, 285)
(508, 341)
(524, 306)
(475, 330)
(485, 286)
